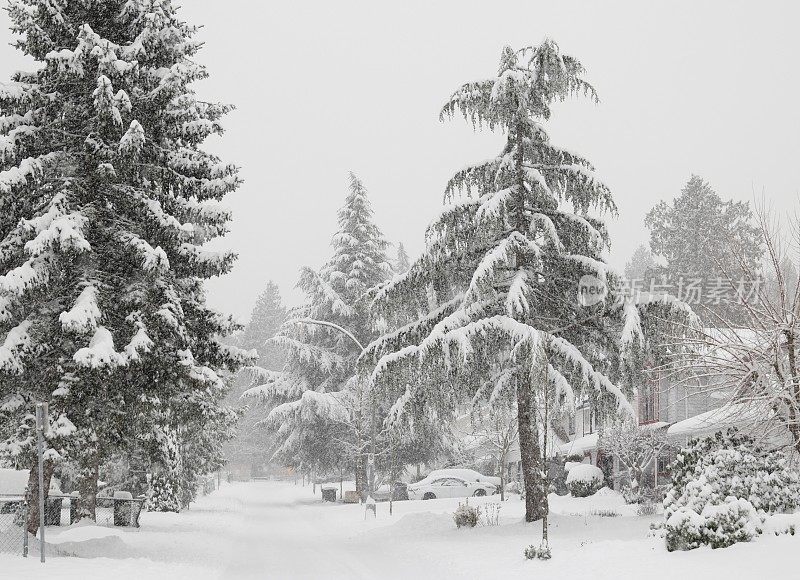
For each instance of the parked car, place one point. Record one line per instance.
(449, 487)
(465, 474)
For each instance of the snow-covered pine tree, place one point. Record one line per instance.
(317, 389)
(496, 290)
(266, 318)
(402, 263)
(252, 444)
(107, 201)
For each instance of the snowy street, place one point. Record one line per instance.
(279, 531)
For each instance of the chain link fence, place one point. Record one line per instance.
(13, 514)
(62, 510)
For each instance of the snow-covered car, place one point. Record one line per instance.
(449, 487)
(465, 474)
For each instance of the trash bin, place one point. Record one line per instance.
(329, 494)
(52, 511)
(123, 501)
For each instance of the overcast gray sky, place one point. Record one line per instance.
(323, 88)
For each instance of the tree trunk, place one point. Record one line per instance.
(87, 487)
(530, 455)
(503, 477)
(32, 495)
(361, 476)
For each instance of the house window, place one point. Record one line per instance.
(571, 423)
(649, 411)
(664, 460)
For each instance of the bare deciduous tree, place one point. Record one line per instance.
(633, 445)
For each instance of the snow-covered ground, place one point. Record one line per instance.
(276, 531)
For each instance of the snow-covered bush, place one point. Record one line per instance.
(718, 525)
(734, 521)
(646, 508)
(720, 488)
(584, 480)
(540, 553)
(466, 515)
(491, 514)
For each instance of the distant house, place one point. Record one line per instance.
(685, 406)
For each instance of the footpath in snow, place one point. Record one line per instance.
(281, 531)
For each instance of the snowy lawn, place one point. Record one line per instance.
(276, 531)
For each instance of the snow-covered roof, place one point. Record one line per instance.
(579, 445)
(654, 426)
(729, 415)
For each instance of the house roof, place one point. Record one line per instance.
(729, 415)
(579, 445)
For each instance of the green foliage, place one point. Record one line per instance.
(466, 516)
(584, 488)
(108, 201)
(699, 218)
(720, 485)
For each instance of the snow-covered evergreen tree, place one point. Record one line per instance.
(253, 443)
(402, 262)
(318, 390)
(107, 202)
(496, 290)
(732, 246)
(266, 318)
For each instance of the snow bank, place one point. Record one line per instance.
(83, 533)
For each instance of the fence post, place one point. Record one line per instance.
(25, 527)
(40, 426)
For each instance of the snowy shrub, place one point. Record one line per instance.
(491, 514)
(605, 513)
(584, 480)
(643, 494)
(734, 521)
(788, 530)
(646, 508)
(466, 515)
(684, 530)
(720, 488)
(540, 553)
(718, 525)
(630, 494)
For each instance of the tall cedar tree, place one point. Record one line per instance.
(496, 288)
(318, 389)
(107, 202)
